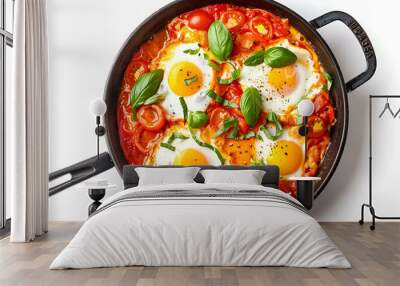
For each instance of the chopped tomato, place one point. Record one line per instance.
(233, 19)
(151, 117)
(245, 40)
(233, 92)
(144, 139)
(262, 28)
(135, 68)
(243, 126)
(327, 114)
(200, 20)
(281, 28)
(316, 127)
(320, 101)
(217, 117)
(132, 154)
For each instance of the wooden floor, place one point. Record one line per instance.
(375, 257)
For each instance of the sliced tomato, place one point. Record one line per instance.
(217, 117)
(144, 139)
(200, 20)
(262, 28)
(151, 117)
(233, 19)
(128, 125)
(135, 68)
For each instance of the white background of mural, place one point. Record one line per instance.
(85, 37)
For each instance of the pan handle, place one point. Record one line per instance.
(362, 38)
(81, 171)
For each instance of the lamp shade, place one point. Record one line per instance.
(305, 107)
(98, 107)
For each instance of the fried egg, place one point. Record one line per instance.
(285, 86)
(187, 75)
(186, 151)
(287, 152)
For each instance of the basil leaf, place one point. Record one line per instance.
(259, 137)
(192, 51)
(146, 86)
(327, 86)
(198, 119)
(278, 57)
(228, 123)
(168, 146)
(255, 59)
(251, 105)
(155, 98)
(191, 80)
(220, 40)
(184, 108)
(234, 76)
(220, 99)
(206, 145)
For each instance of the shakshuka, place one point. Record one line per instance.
(221, 85)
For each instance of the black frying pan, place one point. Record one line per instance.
(159, 19)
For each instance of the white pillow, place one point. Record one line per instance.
(166, 176)
(248, 177)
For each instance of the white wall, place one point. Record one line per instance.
(86, 35)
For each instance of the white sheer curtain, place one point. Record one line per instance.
(27, 143)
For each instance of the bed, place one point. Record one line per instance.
(198, 224)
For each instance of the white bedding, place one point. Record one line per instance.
(183, 231)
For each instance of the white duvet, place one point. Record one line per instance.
(200, 231)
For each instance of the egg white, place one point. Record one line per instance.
(196, 102)
(164, 156)
(257, 76)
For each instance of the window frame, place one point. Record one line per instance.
(6, 39)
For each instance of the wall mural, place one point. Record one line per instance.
(206, 92)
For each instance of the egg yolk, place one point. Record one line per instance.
(185, 78)
(284, 79)
(190, 157)
(240, 151)
(287, 155)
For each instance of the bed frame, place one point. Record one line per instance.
(270, 179)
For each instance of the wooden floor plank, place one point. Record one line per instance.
(375, 257)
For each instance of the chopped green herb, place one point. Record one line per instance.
(168, 146)
(228, 123)
(191, 80)
(192, 51)
(273, 118)
(234, 76)
(206, 145)
(211, 93)
(327, 86)
(184, 108)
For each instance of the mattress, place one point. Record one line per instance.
(200, 225)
